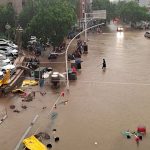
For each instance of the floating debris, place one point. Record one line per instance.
(24, 106)
(55, 106)
(12, 106)
(65, 102)
(44, 107)
(43, 135)
(56, 139)
(43, 93)
(17, 111)
(49, 146)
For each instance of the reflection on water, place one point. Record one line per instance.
(120, 39)
(120, 35)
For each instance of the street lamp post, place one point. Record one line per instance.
(7, 27)
(19, 31)
(85, 19)
(66, 53)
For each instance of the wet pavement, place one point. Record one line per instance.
(101, 104)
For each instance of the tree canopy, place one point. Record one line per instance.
(48, 19)
(53, 18)
(132, 12)
(126, 11)
(7, 15)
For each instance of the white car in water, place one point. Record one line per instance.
(33, 40)
(5, 62)
(119, 29)
(4, 58)
(1, 75)
(7, 43)
(147, 34)
(8, 51)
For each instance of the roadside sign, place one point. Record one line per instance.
(99, 14)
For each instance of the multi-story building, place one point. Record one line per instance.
(85, 6)
(81, 11)
(17, 4)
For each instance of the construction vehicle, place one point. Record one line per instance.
(1, 78)
(4, 78)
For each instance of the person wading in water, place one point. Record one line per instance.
(104, 65)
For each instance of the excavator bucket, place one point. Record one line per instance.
(6, 78)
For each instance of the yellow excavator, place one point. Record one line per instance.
(4, 78)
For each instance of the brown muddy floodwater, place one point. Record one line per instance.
(101, 104)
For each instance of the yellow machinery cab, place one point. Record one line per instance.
(4, 77)
(1, 78)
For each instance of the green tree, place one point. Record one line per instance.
(27, 14)
(126, 11)
(7, 15)
(52, 20)
(132, 12)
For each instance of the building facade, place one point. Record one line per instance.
(84, 7)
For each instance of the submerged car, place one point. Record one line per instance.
(147, 34)
(119, 29)
(8, 51)
(7, 43)
(4, 59)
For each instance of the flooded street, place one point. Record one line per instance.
(101, 104)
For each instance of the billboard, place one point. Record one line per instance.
(99, 14)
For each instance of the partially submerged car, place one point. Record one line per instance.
(147, 34)
(8, 44)
(4, 59)
(119, 29)
(8, 51)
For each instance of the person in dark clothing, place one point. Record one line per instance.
(78, 63)
(85, 48)
(104, 64)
